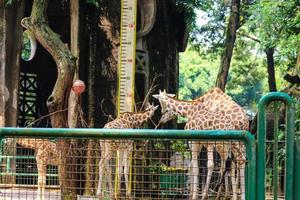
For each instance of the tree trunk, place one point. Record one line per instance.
(232, 28)
(2, 64)
(10, 48)
(294, 89)
(11, 42)
(271, 69)
(57, 103)
(91, 172)
(73, 107)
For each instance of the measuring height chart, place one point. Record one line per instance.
(126, 64)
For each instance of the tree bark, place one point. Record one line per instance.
(232, 28)
(10, 48)
(2, 64)
(74, 46)
(74, 107)
(271, 69)
(11, 17)
(57, 103)
(91, 171)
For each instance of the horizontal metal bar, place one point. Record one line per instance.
(126, 133)
(6, 186)
(17, 157)
(25, 174)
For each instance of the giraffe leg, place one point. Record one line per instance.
(126, 162)
(42, 167)
(119, 174)
(224, 155)
(222, 169)
(194, 172)
(227, 194)
(109, 180)
(233, 182)
(210, 167)
(242, 179)
(105, 156)
(240, 155)
(101, 174)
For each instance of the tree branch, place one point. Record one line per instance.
(65, 61)
(249, 36)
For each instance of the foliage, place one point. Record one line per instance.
(210, 36)
(272, 20)
(188, 9)
(94, 2)
(275, 24)
(25, 54)
(197, 74)
(247, 77)
(264, 24)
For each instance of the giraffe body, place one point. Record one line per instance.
(214, 110)
(45, 154)
(128, 120)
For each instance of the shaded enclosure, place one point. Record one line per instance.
(28, 84)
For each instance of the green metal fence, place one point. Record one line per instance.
(290, 170)
(146, 134)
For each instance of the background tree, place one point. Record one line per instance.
(232, 27)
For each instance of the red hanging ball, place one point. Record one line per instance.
(78, 86)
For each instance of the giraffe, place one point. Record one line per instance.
(213, 110)
(127, 120)
(45, 154)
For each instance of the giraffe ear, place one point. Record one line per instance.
(148, 106)
(171, 95)
(156, 96)
(155, 107)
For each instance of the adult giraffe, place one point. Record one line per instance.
(213, 110)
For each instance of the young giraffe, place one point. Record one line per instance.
(127, 120)
(204, 112)
(45, 154)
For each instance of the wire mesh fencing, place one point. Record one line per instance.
(90, 168)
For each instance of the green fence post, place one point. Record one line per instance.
(261, 143)
(297, 168)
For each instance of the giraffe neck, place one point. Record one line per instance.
(137, 119)
(27, 143)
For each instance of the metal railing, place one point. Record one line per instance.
(289, 145)
(145, 134)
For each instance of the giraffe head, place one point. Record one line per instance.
(150, 109)
(162, 98)
(167, 116)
